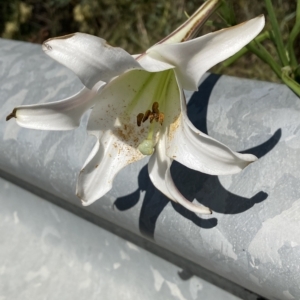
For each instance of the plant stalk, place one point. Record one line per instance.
(265, 56)
(293, 35)
(190, 27)
(292, 84)
(277, 35)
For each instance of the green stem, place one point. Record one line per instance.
(278, 39)
(298, 11)
(297, 74)
(265, 56)
(292, 84)
(235, 57)
(293, 35)
(226, 13)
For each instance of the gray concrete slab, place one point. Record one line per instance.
(49, 253)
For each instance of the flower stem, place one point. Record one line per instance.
(277, 35)
(293, 35)
(292, 84)
(190, 27)
(288, 72)
(282, 73)
(265, 56)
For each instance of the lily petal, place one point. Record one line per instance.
(160, 175)
(107, 158)
(89, 57)
(193, 58)
(122, 99)
(151, 64)
(61, 115)
(196, 150)
(158, 165)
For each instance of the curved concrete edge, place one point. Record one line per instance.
(47, 251)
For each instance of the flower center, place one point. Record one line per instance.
(146, 147)
(151, 109)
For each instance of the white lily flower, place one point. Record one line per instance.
(139, 107)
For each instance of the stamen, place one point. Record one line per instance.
(139, 119)
(146, 116)
(155, 108)
(151, 115)
(161, 117)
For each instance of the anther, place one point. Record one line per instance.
(151, 115)
(151, 118)
(139, 119)
(146, 116)
(161, 117)
(155, 108)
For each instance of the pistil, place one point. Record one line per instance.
(146, 147)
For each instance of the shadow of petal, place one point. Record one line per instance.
(203, 223)
(127, 202)
(262, 149)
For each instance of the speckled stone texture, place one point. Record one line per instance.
(253, 236)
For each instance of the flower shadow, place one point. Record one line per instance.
(153, 204)
(210, 191)
(207, 189)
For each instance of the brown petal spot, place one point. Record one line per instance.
(174, 126)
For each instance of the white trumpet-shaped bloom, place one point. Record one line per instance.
(139, 107)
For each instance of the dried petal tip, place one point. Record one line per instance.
(12, 115)
(46, 46)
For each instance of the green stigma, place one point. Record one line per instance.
(146, 147)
